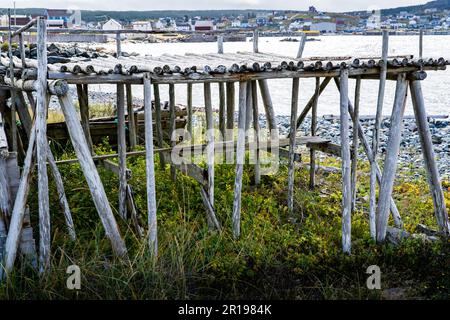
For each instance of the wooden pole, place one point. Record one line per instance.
(249, 113)
(92, 177)
(292, 136)
(118, 45)
(230, 119)
(189, 110)
(84, 113)
(150, 169)
(421, 44)
(390, 163)
(158, 122)
(301, 46)
(121, 150)
(172, 119)
(222, 118)
(434, 180)
(256, 131)
(255, 41)
(42, 147)
(312, 152)
(240, 157)
(209, 141)
(376, 135)
(220, 44)
(355, 141)
(132, 127)
(13, 94)
(369, 154)
(345, 155)
(268, 106)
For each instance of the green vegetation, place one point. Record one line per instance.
(277, 257)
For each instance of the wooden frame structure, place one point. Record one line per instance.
(249, 70)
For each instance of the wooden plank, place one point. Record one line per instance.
(150, 169)
(434, 180)
(121, 150)
(292, 146)
(256, 128)
(132, 126)
(230, 118)
(222, 109)
(84, 113)
(301, 46)
(255, 41)
(92, 177)
(268, 106)
(355, 141)
(173, 172)
(209, 141)
(220, 44)
(376, 135)
(312, 153)
(390, 162)
(240, 157)
(158, 123)
(118, 46)
(42, 148)
(345, 155)
(189, 109)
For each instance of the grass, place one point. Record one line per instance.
(273, 259)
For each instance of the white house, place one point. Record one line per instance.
(236, 23)
(142, 25)
(112, 24)
(373, 22)
(323, 27)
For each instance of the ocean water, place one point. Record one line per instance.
(436, 87)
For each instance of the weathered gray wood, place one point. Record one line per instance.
(345, 155)
(230, 118)
(355, 141)
(312, 153)
(42, 147)
(256, 129)
(121, 150)
(222, 118)
(210, 210)
(255, 41)
(189, 109)
(13, 98)
(292, 146)
(15, 226)
(249, 113)
(132, 127)
(268, 106)
(150, 169)
(390, 162)
(22, 51)
(172, 127)
(220, 44)
(134, 213)
(92, 177)
(84, 113)
(434, 180)
(118, 45)
(369, 154)
(240, 158)
(421, 44)
(301, 46)
(376, 134)
(209, 141)
(27, 246)
(158, 122)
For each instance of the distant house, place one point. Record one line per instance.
(16, 20)
(59, 18)
(261, 21)
(323, 27)
(373, 22)
(142, 25)
(203, 25)
(184, 26)
(112, 24)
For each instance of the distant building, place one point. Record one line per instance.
(312, 10)
(373, 22)
(16, 20)
(142, 25)
(323, 27)
(59, 18)
(204, 25)
(184, 26)
(112, 24)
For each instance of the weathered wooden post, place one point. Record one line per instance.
(434, 180)
(189, 109)
(92, 177)
(209, 140)
(268, 106)
(118, 45)
(376, 135)
(159, 130)
(390, 163)
(122, 150)
(230, 119)
(83, 101)
(240, 158)
(42, 146)
(421, 44)
(256, 131)
(312, 152)
(345, 155)
(255, 41)
(132, 125)
(355, 141)
(220, 44)
(150, 169)
(222, 118)
(172, 123)
(301, 46)
(292, 137)
(13, 91)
